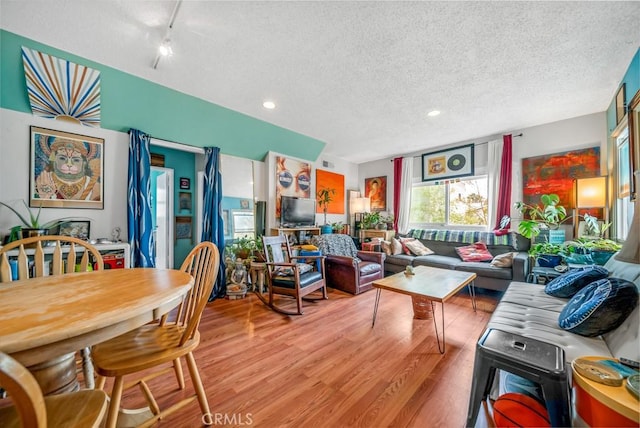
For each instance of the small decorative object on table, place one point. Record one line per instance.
(409, 270)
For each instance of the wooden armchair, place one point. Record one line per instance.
(84, 408)
(60, 264)
(162, 343)
(348, 269)
(288, 277)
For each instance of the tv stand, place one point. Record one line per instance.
(301, 234)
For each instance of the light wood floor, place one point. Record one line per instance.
(328, 367)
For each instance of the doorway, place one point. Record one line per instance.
(162, 215)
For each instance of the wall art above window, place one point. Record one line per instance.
(448, 163)
(66, 170)
(59, 89)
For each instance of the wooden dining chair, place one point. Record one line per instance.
(156, 344)
(292, 276)
(85, 408)
(61, 262)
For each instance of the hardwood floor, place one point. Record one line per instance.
(328, 367)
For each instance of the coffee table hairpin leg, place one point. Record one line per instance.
(375, 307)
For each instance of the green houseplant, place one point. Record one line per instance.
(546, 253)
(325, 197)
(31, 225)
(244, 248)
(370, 220)
(549, 216)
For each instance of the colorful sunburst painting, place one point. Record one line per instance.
(59, 89)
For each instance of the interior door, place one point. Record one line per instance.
(162, 213)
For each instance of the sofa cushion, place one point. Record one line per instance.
(399, 260)
(396, 247)
(485, 269)
(568, 284)
(367, 268)
(438, 261)
(416, 247)
(526, 294)
(477, 252)
(599, 307)
(288, 270)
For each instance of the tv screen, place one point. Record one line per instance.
(295, 212)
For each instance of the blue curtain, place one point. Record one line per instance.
(139, 201)
(213, 226)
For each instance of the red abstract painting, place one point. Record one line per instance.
(556, 173)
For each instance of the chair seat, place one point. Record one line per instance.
(306, 279)
(367, 268)
(153, 345)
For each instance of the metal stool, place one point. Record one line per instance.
(537, 361)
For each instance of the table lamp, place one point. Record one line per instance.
(591, 193)
(358, 207)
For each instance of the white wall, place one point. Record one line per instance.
(576, 133)
(14, 173)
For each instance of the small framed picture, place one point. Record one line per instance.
(244, 204)
(183, 227)
(185, 183)
(185, 201)
(75, 229)
(620, 99)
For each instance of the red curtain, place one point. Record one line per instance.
(504, 195)
(397, 181)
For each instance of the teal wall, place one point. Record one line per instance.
(632, 81)
(182, 164)
(131, 102)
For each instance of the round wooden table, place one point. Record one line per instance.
(44, 320)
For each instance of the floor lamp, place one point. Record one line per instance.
(359, 206)
(591, 193)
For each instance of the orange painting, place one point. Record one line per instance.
(331, 180)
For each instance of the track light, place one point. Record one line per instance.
(165, 48)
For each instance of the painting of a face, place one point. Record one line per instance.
(69, 163)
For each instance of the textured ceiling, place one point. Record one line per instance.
(361, 76)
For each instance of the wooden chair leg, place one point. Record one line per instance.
(100, 381)
(299, 302)
(114, 404)
(177, 367)
(197, 384)
(87, 368)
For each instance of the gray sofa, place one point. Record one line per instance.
(444, 243)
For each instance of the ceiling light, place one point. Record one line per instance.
(433, 113)
(269, 105)
(165, 48)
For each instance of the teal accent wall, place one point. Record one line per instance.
(632, 81)
(182, 164)
(128, 101)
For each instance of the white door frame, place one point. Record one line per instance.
(168, 236)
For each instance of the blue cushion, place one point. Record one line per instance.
(570, 283)
(599, 307)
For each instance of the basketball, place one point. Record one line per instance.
(519, 410)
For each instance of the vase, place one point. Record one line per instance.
(549, 260)
(601, 257)
(326, 229)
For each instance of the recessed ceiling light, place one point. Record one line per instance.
(433, 113)
(165, 48)
(269, 104)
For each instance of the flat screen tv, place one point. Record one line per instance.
(297, 212)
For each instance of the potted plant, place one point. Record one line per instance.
(337, 227)
(243, 248)
(388, 220)
(602, 249)
(325, 197)
(370, 220)
(546, 254)
(31, 225)
(547, 217)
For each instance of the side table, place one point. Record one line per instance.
(537, 361)
(256, 273)
(542, 275)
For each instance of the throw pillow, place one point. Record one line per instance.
(518, 410)
(477, 252)
(403, 242)
(386, 247)
(503, 260)
(599, 307)
(396, 247)
(288, 270)
(308, 247)
(418, 248)
(570, 283)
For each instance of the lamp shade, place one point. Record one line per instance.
(360, 205)
(591, 192)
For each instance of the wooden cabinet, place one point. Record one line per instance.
(386, 235)
(302, 234)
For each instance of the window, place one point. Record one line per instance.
(461, 203)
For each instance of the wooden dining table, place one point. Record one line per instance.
(43, 321)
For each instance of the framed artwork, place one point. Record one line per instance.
(183, 227)
(556, 173)
(244, 204)
(620, 98)
(448, 163)
(293, 178)
(66, 170)
(375, 188)
(76, 229)
(331, 180)
(184, 200)
(185, 183)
